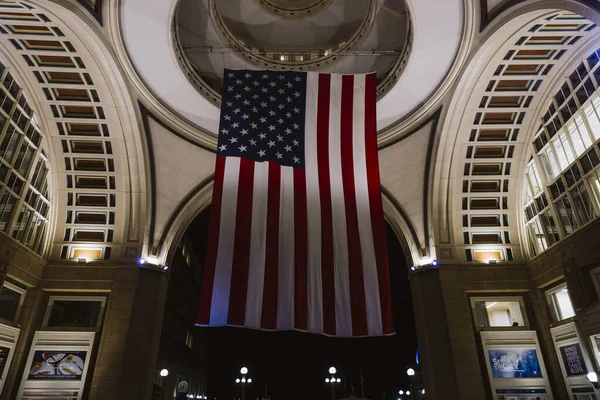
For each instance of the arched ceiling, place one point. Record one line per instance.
(477, 205)
(147, 28)
(350, 36)
(97, 205)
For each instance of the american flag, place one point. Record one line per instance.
(297, 235)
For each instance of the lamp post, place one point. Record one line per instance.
(243, 381)
(332, 380)
(411, 374)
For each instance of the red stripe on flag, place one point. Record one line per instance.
(241, 246)
(300, 251)
(327, 267)
(376, 206)
(213, 245)
(269, 305)
(355, 268)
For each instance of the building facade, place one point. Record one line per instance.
(489, 132)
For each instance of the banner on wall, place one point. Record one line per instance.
(57, 365)
(514, 363)
(573, 360)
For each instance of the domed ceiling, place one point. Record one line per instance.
(341, 36)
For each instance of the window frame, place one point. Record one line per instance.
(493, 298)
(553, 306)
(53, 298)
(22, 293)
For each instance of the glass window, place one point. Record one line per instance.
(583, 203)
(11, 298)
(549, 163)
(578, 144)
(560, 303)
(566, 215)
(537, 235)
(550, 227)
(563, 150)
(592, 118)
(534, 179)
(74, 312)
(7, 205)
(595, 184)
(498, 312)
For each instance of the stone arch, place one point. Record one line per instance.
(89, 115)
(490, 115)
(201, 197)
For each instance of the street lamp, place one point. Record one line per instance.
(401, 392)
(411, 376)
(332, 380)
(243, 381)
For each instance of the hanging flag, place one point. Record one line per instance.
(297, 235)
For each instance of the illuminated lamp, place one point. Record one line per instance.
(86, 253)
(490, 256)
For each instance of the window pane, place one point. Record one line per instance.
(592, 118)
(583, 204)
(9, 145)
(576, 139)
(79, 314)
(595, 184)
(9, 303)
(583, 131)
(565, 213)
(549, 163)
(7, 205)
(500, 313)
(550, 227)
(563, 304)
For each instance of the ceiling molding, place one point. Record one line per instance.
(95, 10)
(156, 246)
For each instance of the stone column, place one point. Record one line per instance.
(126, 362)
(435, 350)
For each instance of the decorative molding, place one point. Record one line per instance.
(433, 120)
(293, 12)
(155, 250)
(281, 60)
(487, 16)
(95, 10)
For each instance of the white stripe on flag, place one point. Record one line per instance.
(365, 229)
(258, 239)
(286, 276)
(222, 281)
(343, 313)
(313, 208)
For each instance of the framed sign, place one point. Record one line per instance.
(514, 363)
(573, 359)
(57, 365)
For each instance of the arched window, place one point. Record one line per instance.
(562, 185)
(24, 203)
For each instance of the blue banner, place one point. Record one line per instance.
(514, 363)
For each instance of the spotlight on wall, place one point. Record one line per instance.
(593, 378)
(434, 263)
(164, 372)
(413, 268)
(141, 261)
(166, 267)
